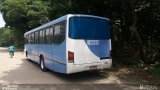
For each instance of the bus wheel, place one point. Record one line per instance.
(26, 54)
(42, 65)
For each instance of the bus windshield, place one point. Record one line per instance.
(89, 28)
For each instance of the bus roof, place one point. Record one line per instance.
(59, 20)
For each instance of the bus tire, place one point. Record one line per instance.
(42, 64)
(26, 54)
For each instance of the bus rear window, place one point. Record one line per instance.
(88, 28)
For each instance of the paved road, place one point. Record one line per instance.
(18, 70)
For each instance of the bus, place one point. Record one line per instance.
(70, 44)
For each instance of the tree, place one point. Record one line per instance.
(135, 23)
(24, 14)
(6, 36)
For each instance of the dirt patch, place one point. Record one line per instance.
(132, 75)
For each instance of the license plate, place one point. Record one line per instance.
(92, 42)
(93, 67)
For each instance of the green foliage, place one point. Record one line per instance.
(24, 14)
(135, 23)
(14, 13)
(10, 35)
(37, 13)
(155, 69)
(6, 36)
(140, 64)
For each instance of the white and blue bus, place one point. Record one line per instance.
(72, 43)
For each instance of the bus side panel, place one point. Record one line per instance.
(29, 50)
(47, 53)
(35, 53)
(59, 57)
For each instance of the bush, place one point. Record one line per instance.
(140, 64)
(155, 69)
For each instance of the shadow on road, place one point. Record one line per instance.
(28, 74)
(76, 78)
(22, 71)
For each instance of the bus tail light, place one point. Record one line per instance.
(110, 54)
(70, 57)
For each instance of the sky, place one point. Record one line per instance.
(2, 23)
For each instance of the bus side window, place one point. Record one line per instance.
(40, 37)
(36, 37)
(32, 38)
(44, 37)
(51, 34)
(26, 39)
(47, 36)
(59, 33)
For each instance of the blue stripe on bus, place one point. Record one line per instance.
(55, 52)
(102, 50)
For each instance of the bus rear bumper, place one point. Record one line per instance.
(74, 68)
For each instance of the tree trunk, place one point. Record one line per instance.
(134, 29)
